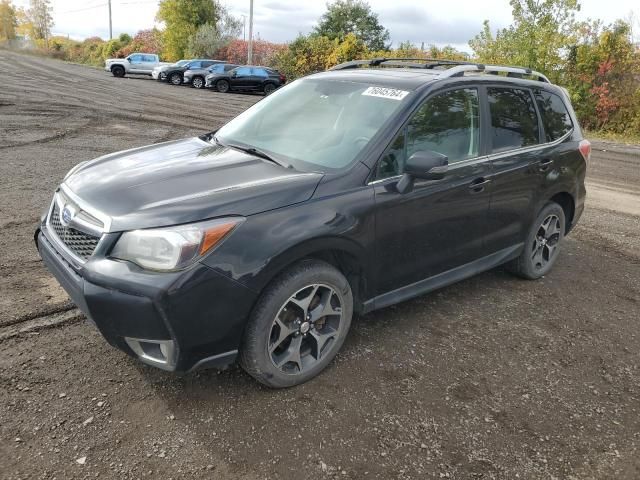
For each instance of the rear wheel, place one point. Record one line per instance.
(175, 79)
(197, 82)
(298, 325)
(542, 245)
(222, 86)
(269, 88)
(118, 71)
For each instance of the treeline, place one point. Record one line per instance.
(599, 64)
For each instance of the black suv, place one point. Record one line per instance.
(344, 192)
(175, 74)
(247, 79)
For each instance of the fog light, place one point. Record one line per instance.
(159, 353)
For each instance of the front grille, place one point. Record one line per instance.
(80, 243)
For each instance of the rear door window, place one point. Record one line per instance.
(555, 117)
(514, 122)
(259, 72)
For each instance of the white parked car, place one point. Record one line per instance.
(136, 63)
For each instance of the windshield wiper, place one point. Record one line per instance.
(253, 151)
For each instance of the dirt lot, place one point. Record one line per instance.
(490, 378)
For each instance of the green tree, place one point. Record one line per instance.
(542, 30)
(353, 16)
(351, 48)
(211, 38)
(182, 18)
(39, 14)
(8, 20)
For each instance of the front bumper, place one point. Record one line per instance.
(177, 321)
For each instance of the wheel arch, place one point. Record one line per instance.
(568, 204)
(345, 255)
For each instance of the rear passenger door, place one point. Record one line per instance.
(513, 132)
(260, 76)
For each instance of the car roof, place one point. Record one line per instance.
(404, 78)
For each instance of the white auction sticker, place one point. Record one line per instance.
(385, 93)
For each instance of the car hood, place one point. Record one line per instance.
(185, 181)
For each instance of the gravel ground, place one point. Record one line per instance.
(493, 377)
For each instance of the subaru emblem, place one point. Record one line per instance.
(67, 215)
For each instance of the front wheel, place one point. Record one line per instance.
(542, 245)
(298, 325)
(175, 79)
(197, 82)
(222, 86)
(118, 71)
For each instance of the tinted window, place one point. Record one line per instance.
(514, 122)
(228, 67)
(555, 117)
(243, 71)
(206, 64)
(447, 123)
(259, 72)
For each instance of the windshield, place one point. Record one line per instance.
(315, 124)
(181, 63)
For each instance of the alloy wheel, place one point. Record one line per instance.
(545, 242)
(305, 329)
(175, 79)
(197, 82)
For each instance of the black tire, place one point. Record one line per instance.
(223, 86)
(197, 82)
(317, 336)
(118, 71)
(542, 245)
(175, 78)
(269, 88)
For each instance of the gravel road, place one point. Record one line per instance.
(493, 377)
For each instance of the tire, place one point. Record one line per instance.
(197, 82)
(175, 79)
(286, 344)
(269, 88)
(223, 86)
(118, 71)
(542, 245)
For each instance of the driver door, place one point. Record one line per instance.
(439, 224)
(136, 63)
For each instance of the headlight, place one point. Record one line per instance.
(173, 248)
(74, 170)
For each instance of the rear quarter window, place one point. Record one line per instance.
(555, 116)
(514, 122)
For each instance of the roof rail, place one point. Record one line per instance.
(403, 62)
(460, 70)
(457, 68)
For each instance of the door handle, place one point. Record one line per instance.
(478, 184)
(545, 164)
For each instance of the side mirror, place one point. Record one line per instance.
(234, 74)
(128, 59)
(426, 165)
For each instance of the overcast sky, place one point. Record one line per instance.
(433, 22)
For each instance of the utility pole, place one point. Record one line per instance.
(110, 25)
(250, 54)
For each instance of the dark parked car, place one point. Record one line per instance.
(175, 74)
(196, 77)
(343, 192)
(248, 79)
